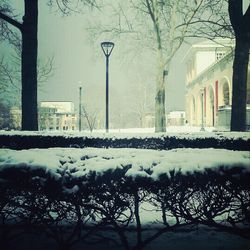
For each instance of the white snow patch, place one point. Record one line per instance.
(185, 132)
(142, 162)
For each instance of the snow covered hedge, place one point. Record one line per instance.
(122, 190)
(26, 140)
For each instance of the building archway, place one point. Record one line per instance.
(226, 96)
(210, 108)
(192, 111)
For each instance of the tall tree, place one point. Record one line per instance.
(28, 29)
(161, 26)
(241, 25)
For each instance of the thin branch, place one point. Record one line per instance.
(11, 21)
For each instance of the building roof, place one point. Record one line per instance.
(61, 107)
(207, 45)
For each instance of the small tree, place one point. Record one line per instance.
(6, 118)
(90, 118)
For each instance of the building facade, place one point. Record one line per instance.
(57, 116)
(209, 84)
(176, 118)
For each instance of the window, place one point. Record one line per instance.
(226, 93)
(219, 55)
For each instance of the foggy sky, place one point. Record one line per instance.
(78, 61)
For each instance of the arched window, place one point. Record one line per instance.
(211, 105)
(225, 93)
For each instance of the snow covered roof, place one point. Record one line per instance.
(208, 45)
(60, 106)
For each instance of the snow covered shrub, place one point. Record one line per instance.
(218, 199)
(24, 140)
(136, 194)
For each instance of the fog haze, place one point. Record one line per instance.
(80, 61)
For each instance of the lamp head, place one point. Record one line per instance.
(107, 48)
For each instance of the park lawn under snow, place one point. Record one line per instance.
(143, 162)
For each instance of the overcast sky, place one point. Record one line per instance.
(78, 60)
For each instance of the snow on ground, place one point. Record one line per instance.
(200, 239)
(100, 160)
(186, 132)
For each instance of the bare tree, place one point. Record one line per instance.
(141, 100)
(8, 78)
(28, 28)
(10, 75)
(162, 27)
(239, 21)
(90, 118)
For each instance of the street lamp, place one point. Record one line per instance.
(80, 108)
(202, 110)
(107, 48)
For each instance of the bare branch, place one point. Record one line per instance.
(10, 20)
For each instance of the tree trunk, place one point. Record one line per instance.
(239, 94)
(138, 221)
(160, 117)
(29, 66)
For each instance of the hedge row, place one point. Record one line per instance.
(164, 142)
(32, 200)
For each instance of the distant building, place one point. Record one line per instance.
(209, 81)
(149, 120)
(61, 107)
(176, 118)
(57, 116)
(16, 114)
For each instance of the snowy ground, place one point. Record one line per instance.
(200, 239)
(170, 129)
(186, 132)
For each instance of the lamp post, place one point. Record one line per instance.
(107, 48)
(80, 108)
(202, 111)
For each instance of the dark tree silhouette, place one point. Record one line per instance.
(240, 22)
(28, 29)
